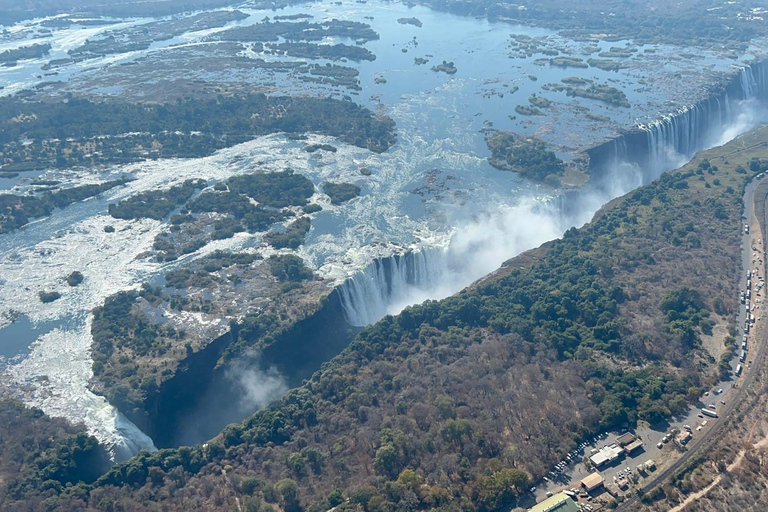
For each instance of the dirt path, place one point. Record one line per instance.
(695, 496)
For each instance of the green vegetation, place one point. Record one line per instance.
(42, 455)
(461, 403)
(15, 11)
(530, 158)
(341, 192)
(316, 147)
(685, 311)
(618, 53)
(141, 37)
(588, 89)
(539, 101)
(323, 51)
(292, 237)
(34, 51)
(122, 335)
(277, 189)
(568, 62)
(234, 200)
(289, 268)
(81, 132)
(75, 278)
(708, 23)
(446, 67)
(604, 93)
(16, 211)
(46, 297)
(525, 110)
(155, 204)
(574, 80)
(604, 64)
(416, 22)
(298, 31)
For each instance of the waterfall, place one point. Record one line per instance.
(389, 284)
(649, 150)
(617, 167)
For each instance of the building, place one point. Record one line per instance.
(634, 445)
(560, 502)
(606, 455)
(625, 439)
(684, 438)
(592, 482)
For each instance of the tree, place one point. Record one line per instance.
(501, 488)
(288, 490)
(455, 430)
(409, 478)
(386, 460)
(335, 498)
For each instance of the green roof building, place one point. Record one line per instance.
(560, 502)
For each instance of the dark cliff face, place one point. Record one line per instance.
(204, 395)
(687, 132)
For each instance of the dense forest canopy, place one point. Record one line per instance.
(690, 22)
(83, 132)
(460, 403)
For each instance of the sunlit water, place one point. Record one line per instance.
(433, 190)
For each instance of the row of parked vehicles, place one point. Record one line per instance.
(574, 456)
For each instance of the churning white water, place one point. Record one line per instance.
(480, 246)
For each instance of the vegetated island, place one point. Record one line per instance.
(701, 25)
(341, 192)
(218, 213)
(136, 357)
(585, 88)
(528, 157)
(16, 211)
(322, 51)
(568, 62)
(82, 132)
(471, 399)
(142, 36)
(298, 31)
(446, 67)
(34, 51)
(410, 21)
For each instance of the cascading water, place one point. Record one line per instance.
(387, 283)
(643, 154)
(618, 166)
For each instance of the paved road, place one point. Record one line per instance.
(757, 350)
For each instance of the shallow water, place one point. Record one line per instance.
(433, 189)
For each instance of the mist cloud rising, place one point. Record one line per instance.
(258, 387)
(480, 245)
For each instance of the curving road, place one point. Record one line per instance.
(759, 350)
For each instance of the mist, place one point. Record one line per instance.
(239, 391)
(482, 244)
